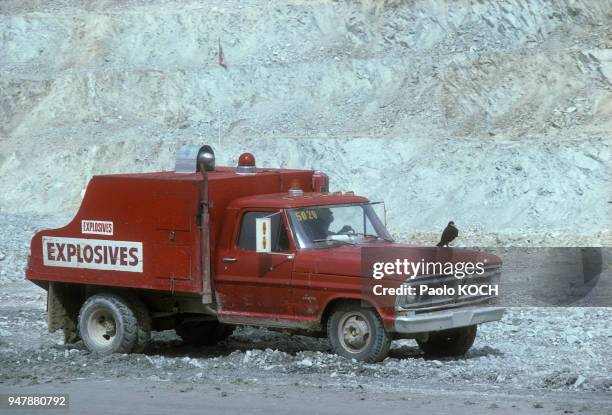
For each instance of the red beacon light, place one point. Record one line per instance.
(246, 164)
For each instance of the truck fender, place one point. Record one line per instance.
(335, 302)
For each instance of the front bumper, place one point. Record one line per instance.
(447, 319)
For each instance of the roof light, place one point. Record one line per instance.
(320, 182)
(246, 164)
(192, 158)
(206, 159)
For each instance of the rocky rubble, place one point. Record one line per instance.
(507, 187)
(495, 116)
(532, 348)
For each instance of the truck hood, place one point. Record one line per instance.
(347, 260)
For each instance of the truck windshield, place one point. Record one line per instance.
(334, 225)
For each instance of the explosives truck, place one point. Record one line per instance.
(204, 248)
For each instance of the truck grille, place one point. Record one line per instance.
(426, 302)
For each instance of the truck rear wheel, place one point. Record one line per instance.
(358, 333)
(447, 343)
(203, 333)
(107, 324)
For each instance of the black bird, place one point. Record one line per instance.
(449, 233)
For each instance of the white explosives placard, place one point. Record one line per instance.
(97, 227)
(92, 254)
(263, 234)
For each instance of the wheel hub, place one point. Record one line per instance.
(102, 327)
(354, 333)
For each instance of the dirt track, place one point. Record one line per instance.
(299, 396)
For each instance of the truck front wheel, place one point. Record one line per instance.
(447, 343)
(107, 324)
(358, 333)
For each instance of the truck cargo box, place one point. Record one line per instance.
(142, 230)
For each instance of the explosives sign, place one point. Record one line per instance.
(263, 234)
(97, 227)
(92, 254)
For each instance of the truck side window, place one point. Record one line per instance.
(246, 238)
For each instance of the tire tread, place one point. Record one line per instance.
(130, 323)
(377, 352)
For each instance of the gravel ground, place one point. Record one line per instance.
(541, 348)
(552, 349)
(537, 359)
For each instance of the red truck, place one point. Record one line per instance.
(203, 248)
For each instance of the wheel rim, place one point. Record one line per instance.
(354, 332)
(102, 327)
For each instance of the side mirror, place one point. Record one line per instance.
(263, 235)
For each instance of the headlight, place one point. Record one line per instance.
(406, 298)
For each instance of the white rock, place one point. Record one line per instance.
(307, 362)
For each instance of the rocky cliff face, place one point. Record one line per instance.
(494, 114)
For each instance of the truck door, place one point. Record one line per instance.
(255, 286)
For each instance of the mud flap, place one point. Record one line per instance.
(63, 303)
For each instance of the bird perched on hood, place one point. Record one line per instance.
(449, 233)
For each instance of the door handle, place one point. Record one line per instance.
(230, 259)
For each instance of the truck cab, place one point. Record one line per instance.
(205, 248)
(276, 288)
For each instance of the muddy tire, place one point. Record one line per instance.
(107, 324)
(203, 333)
(449, 343)
(358, 333)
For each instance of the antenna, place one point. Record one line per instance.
(224, 65)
